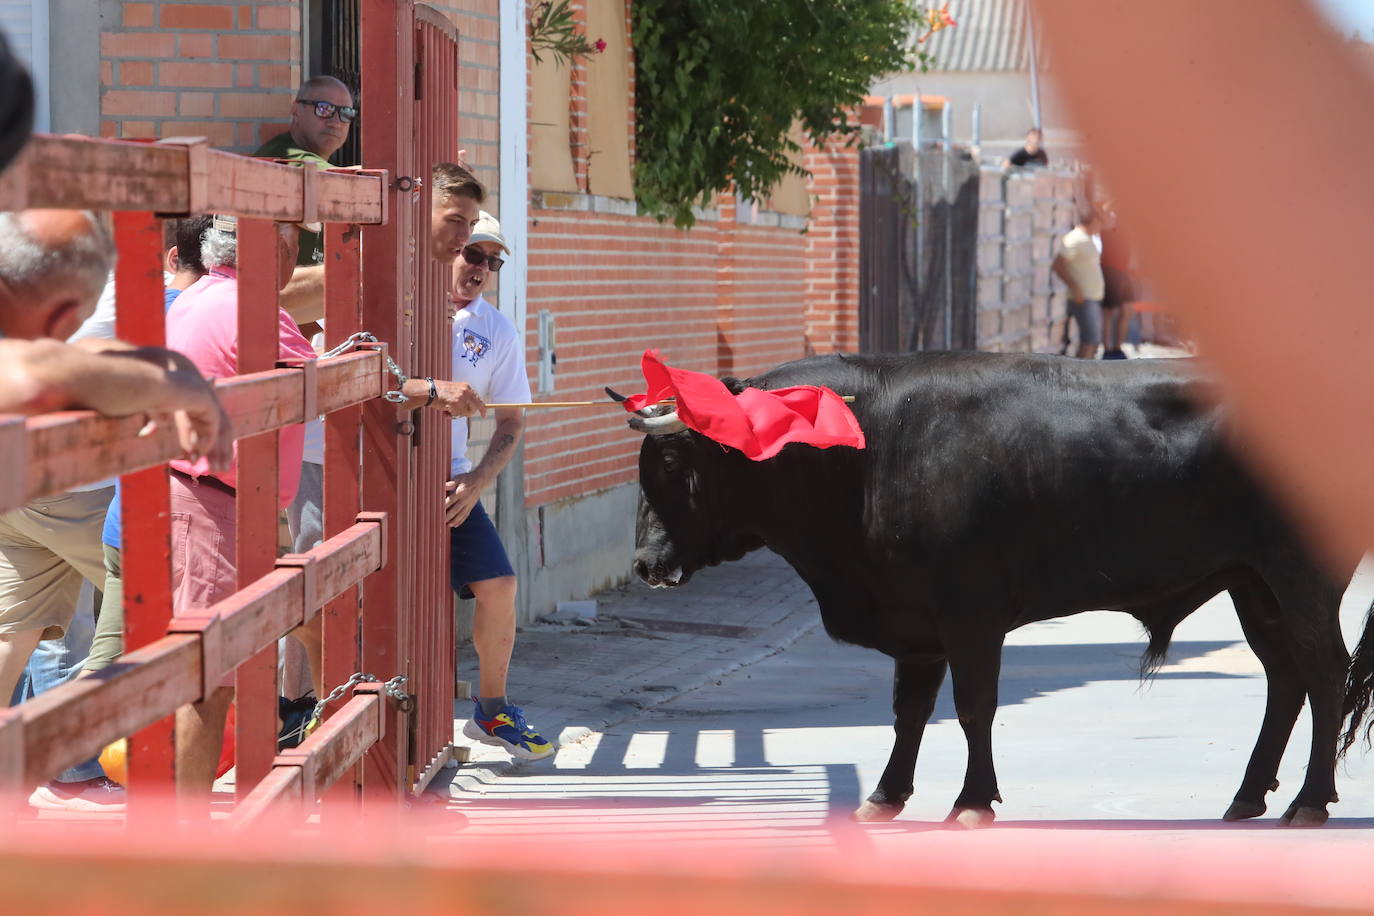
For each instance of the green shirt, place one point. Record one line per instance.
(282, 146)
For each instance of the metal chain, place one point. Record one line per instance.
(392, 688)
(395, 397)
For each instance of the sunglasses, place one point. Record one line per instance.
(475, 256)
(327, 110)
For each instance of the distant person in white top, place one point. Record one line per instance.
(489, 354)
(1079, 265)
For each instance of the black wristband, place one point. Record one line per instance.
(433, 391)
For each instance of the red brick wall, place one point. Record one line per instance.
(222, 70)
(760, 294)
(724, 298)
(617, 285)
(227, 70)
(832, 250)
(479, 98)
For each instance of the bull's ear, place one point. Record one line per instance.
(733, 384)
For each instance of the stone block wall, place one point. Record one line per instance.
(1020, 217)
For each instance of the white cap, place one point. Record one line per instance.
(487, 229)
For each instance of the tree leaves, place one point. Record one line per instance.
(720, 82)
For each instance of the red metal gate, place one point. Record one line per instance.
(380, 577)
(432, 637)
(404, 298)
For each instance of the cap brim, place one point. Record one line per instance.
(488, 237)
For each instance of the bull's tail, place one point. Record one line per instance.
(1359, 686)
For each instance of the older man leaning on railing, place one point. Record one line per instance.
(52, 266)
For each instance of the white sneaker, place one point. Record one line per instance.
(99, 795)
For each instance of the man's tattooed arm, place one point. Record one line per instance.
(510, 424)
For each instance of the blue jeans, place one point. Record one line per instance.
(57, 661)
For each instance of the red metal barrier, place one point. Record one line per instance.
(388, 299)
(388, 611)
(174, 661)
(143, 494)
(432, 635)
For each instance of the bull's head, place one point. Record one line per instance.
(684, 482)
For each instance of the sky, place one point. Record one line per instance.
(1351, 15)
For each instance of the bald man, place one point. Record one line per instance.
(53, 265)
(321, 115)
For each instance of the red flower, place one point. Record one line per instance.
(938, 19)
(600, 45)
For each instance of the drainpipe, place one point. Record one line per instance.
(1034, 68)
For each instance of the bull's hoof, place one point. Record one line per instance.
(971, 818)
(1240, 810)
(871, 812)
(1303, 816)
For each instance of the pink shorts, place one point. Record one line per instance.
(203, 526)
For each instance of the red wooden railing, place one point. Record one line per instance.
(353, 578)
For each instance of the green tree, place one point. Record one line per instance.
(720, 82)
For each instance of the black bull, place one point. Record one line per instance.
(998, 490)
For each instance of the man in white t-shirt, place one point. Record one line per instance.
(1078, 263)
(489, 354)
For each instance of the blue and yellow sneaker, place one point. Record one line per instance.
(507, 729)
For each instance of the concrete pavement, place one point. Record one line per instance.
(646, 646)
(724, 714)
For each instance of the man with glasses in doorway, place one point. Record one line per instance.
(322, 113)
(321, 116)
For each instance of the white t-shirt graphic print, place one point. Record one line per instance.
(489, 355)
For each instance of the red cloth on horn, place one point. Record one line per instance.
(757, 422)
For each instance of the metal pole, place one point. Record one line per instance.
(917, 116)
(889, 120)
(977, 124)
(947, 124)
(1034, 68)
(918, 112)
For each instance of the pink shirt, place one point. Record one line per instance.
(203, 323)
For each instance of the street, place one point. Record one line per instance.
(777, 753)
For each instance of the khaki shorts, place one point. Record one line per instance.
(46, 548)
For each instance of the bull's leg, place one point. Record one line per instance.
(1258, 611)
(915, 686)
(1311, 609)
(974, 669)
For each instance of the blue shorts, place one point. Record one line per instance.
(475, 552)
(1088, 314)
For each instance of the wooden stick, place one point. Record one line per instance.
(848, 398)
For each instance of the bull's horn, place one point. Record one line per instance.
(657, 426)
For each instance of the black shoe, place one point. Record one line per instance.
(295, 715)
(1114, 354)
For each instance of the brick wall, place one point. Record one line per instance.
(617, 285)
(760, 291)
(227, 70)
(731, 296)
(479, 98)
(222, 70)
(1020, 216)
(722, 298)
(832, 250)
